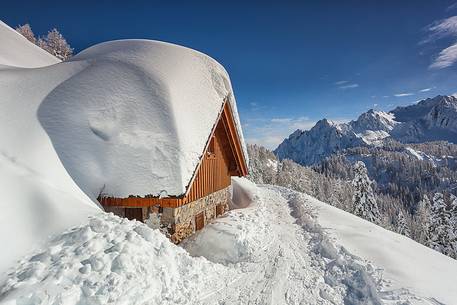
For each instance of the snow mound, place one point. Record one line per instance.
(17, 51)
(237, 237)
(136, 119)
(110, 260)
(244, 193)
(32, 210)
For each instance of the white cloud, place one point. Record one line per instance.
(351, 86)
(425, 90)
(403, 94)
(440, 29)
(446, 58)
(281, 120)
(341, 82)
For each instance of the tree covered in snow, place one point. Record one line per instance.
(56, 44)
(402, 224)
(440, 229)
(264, 167)
(421, 221)
(364, 202)
(453, 225)
(26, 31)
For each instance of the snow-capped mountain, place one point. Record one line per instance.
(431, 119)
(308, 147)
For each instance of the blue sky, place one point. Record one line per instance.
(291, 63)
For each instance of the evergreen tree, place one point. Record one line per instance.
(453, 226)
(364, 203)
(402, 224)
(422, 221)
(440, 225)
(26, 31)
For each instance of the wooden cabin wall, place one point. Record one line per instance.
(214, 172)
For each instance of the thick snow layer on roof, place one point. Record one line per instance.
(16, 50)
(135, 120)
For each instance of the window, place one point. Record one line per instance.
(211, 148)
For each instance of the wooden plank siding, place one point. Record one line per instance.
(222, 158)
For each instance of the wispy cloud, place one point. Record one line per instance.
(349, 86)
(440, 29)
(446, 58)
(451, 7)
(425, 90)
(403, 94)
(341, 82)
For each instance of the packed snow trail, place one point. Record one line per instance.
(274, 251)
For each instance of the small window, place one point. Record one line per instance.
(211, 150)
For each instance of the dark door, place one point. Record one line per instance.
(134, 213)
(199, 221)
(220, 209)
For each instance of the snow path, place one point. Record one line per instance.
(300, 263)
(279, 273)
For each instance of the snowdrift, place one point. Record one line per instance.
(17, 51)
(110, 260)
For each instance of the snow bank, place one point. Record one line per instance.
(16, 50)
(407, 263)
(243, 193)
(110, 260)
(32, 209)
(39, 198)
(238, 236)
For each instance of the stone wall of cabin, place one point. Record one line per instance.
(181, 221)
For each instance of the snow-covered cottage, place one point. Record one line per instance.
(196, 144)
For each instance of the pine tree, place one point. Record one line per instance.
(422, 221)
(440, 225)
(26, 31)
(364, 203)
(402, 224)
(453, 226)
(56, 44)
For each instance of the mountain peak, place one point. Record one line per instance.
(430, 119)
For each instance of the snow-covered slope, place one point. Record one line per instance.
(429, 120)
(17, 51)
(284, 248)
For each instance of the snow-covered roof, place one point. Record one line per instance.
(135, 115)
(17, 51)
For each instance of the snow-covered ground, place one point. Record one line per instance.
(284, 248)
